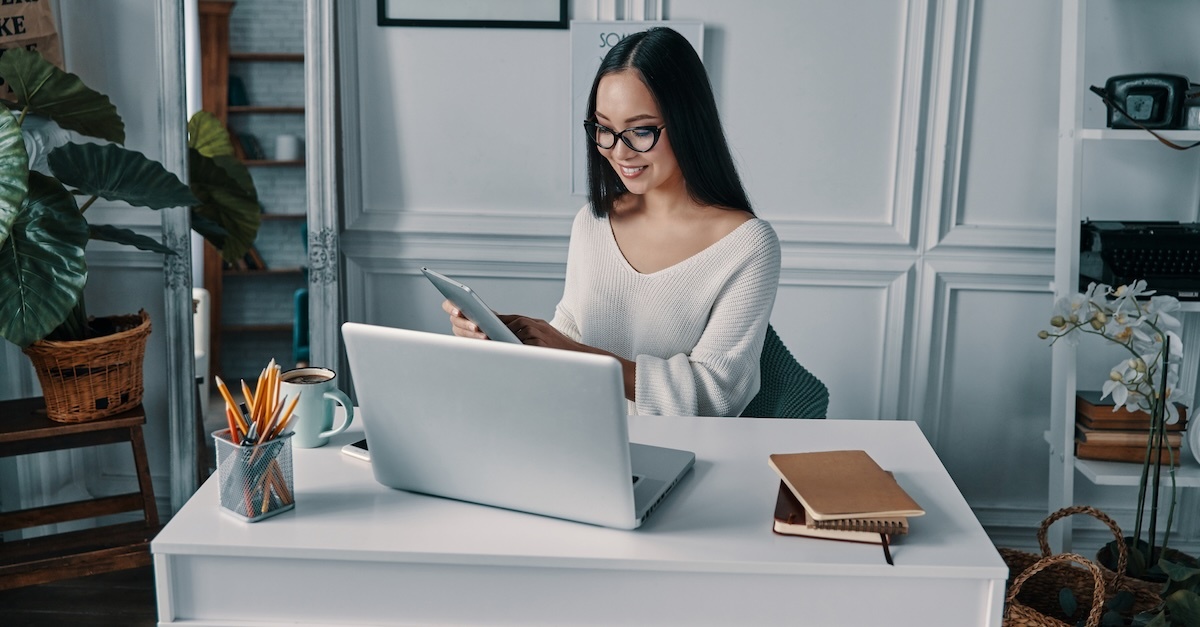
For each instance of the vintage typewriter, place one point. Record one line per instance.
(1165, 254)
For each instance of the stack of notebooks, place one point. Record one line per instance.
(840, 495)
(1121, 435)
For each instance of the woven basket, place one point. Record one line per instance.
(1041, 594)
(95, 378)
(1017, 613)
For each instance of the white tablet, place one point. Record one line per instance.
(472, 306)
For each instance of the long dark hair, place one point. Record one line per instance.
(675, 76)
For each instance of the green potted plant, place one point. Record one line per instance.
(44, 232)
(1146, 380)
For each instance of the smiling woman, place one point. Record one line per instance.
(668, 269)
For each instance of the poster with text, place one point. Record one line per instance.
(590, 41)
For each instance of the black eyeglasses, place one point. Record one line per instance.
(638, 138)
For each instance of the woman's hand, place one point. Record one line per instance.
(459, 323)
(537, 332)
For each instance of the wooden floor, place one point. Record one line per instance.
(118, 599)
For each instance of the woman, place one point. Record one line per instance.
(668, 270)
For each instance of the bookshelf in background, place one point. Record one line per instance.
(252, 305)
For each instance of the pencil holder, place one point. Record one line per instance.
(255, 482)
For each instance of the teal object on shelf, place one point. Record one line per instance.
(787, 389)
(300, 327)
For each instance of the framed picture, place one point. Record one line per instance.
(474, 13)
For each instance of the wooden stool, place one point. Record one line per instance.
(24, 429)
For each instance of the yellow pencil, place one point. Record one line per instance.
(250, 400)
(286, 418)
(230, 404)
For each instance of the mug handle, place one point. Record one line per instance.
(340, 398)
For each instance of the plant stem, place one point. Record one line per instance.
(87, 204)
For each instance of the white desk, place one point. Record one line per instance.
(354, 552)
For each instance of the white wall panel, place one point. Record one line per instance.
(985, 406)
(1011, 122)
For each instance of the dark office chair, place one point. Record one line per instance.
(787, 390)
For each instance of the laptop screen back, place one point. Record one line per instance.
(521, 427)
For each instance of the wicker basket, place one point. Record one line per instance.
(1089, 583)
(1041, 594)
(94, 378)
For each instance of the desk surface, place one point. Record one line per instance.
(716, 522)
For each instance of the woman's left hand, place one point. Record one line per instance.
(537, 332)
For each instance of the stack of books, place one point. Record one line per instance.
(1121, 435)
(840, 495)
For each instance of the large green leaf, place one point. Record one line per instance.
(115, 173)
(42, 264)
(209, 229)
(208, 136)
(225, 200)
(60, 96)
(14, 171)
(108, 233)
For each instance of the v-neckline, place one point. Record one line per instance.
(620, 254)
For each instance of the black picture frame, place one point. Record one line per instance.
(553, 21)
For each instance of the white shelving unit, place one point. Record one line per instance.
(1074, 140)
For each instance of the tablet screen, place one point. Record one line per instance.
(473, 307)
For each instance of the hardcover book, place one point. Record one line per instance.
(1122, 453)
(1133, 424)
(1133, 437)
(1088, 403)
(843, 484)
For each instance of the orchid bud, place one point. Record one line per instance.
(1101, 316)
(1057, 321)
(1137, 364)
(1114, 375)
(1074, 318)
(1043, 335)
(1097, 323)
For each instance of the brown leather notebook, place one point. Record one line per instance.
(843, 484)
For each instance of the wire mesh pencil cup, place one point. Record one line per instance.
(255, 481)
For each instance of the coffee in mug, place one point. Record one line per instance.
(318, 392)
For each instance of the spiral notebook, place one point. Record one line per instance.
(791, 520)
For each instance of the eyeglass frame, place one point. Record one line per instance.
(657, 130)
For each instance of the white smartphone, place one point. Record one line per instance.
(358, 450)
(472, 306)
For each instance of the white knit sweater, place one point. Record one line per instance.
(694, 329)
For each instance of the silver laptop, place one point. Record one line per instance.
(526, 428)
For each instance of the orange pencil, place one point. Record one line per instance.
(234, 436)
(286, 418)
(230, 404)
(250, 400)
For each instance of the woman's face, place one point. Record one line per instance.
(623, 101)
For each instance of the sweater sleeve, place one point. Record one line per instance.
(721, 374)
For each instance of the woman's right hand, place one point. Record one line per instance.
(459, 323)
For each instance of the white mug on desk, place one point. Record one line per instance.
(318, 391)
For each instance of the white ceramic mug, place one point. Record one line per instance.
(287, 148)
(313, 415)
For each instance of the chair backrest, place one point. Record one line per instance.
(787, 389)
